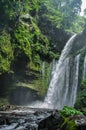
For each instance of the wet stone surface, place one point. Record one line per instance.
(25, 119)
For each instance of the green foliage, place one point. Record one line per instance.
(69, 111)
(54, 15)
(6, 52)
(83, 110)
(68, 124)
(14, 8)
(77, 25)
(36, 59)
(81, 99)
(61, 13)
(35, 38)
(24, 39)
(83, 84)
(53, 55)
(71, 125)
(28, 39)
(43, 78)
(68, 10)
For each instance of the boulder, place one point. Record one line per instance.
(52, 122)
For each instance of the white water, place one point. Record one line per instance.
(75, 80)
(43, 69)
(84, 67)
(64, 80)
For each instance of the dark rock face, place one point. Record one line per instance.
(53, 121)
(5, 82)
(23, 96)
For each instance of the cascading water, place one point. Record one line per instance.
(75, 81)
(61, 92)
(64, 80)
(84, 67)
(43, 68)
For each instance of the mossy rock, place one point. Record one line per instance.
(68, 125)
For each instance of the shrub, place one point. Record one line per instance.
(69, 111)
(81, 99)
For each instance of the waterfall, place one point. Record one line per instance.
(84, 67)
(61, 92)
(63, 84)
(53, 68)
(43, 68)
(75, 80)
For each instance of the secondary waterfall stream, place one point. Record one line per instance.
(84, 67)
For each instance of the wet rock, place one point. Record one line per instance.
(5, 107)
(80, 121)
(53, 121)
(24, 118)
(75, 122)
(8, 127)
(32, 127)
(3, 121)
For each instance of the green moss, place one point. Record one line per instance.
(31, 43)
(68, 124)
(24, 39)
(33, 66)
(6, 52)
(71, 125)
(42, 81)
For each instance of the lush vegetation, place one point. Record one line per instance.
(6, 52)
(68, 114)
(69, 111)
(30, 28)
(81, 99)
(33, 31)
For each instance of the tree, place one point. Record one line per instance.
(69, 10)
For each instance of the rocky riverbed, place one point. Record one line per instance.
(25, 118)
